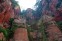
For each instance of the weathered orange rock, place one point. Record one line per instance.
(1, 18)
(52, 29)
(1, 36)
(21, 34)
(7, 12)
(54, 33)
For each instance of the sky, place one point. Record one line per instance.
(24, 4)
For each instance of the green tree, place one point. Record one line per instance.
(38, 9)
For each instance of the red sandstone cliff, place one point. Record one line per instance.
(7, 11)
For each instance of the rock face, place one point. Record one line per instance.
(29, 16)
(1, 36)
(52, 7)
(54, 33)
(58, 15)
(52, 30)
(7, 12)
(21, 34)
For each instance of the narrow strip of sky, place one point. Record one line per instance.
(24, 4)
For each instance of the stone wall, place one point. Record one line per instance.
(21, 34)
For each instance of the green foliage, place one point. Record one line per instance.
(23, 13)
(2, 40)
(9, 32)
(14, 3)
(29, 36)
(11, 19)
(4, 31)
(60, 25)
(13, 24)
(59, 4)
(12, 28)
(30, 29)
(38, 9)
(42, 30)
